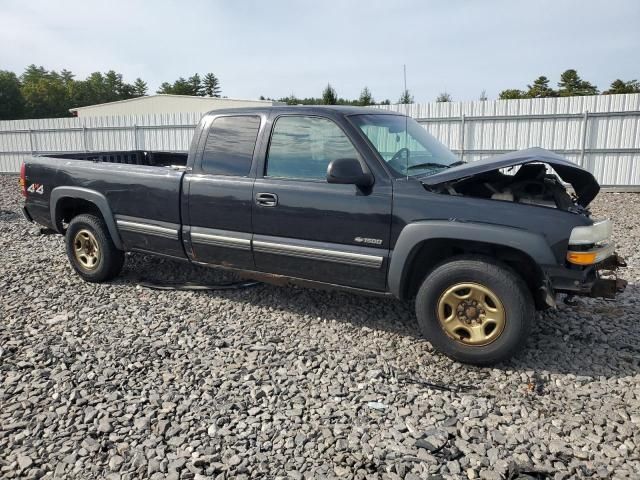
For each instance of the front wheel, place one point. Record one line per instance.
(475, 310)
(90, 249)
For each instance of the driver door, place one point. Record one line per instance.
(307, 228)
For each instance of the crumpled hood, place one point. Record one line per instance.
(582, 181)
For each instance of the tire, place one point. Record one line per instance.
(485, 336)
(91, 251)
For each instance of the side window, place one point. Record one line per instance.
(230, 144)
(302, 147)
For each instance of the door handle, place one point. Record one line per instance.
(266, 199)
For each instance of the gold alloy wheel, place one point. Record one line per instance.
(86, 250)
(471, 314)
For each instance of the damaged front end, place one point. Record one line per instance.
(524, 177)
(520, 177)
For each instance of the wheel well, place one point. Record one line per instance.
(432, 252)
(68, 208)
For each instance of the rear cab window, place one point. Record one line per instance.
(230, 144)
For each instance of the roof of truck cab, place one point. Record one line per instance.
(331, 110)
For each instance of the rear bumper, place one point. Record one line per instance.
(589, 281)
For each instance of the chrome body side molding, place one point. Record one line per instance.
(220, 238)
(326, 252)
(139, 225)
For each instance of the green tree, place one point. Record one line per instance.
(211, 85)
(511, 94)
(179, 87)
(139, 88)
(165, 88)
(290, 100)
(571, 84)
(444, 97)
(619, 86)
(45, 93)
(405, 98)
(329, 95)
(540, 88)
(11, 99)
(33, 73)
(67, 76)
(196, 85)
(182, 87)
(113, 85)
(192, 86)
(365, 97)
(100, 88)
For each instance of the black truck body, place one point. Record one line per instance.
(341, 212)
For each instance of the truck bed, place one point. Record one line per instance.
(129, 157)
(137, 187)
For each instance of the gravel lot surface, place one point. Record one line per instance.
(121, 381)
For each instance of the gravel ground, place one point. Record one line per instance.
(122, 382)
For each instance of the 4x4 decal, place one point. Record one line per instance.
(36, 188)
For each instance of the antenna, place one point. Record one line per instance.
(406, 119)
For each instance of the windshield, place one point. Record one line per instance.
(405, 145)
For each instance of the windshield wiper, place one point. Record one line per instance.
(428, 164)
(455, 164)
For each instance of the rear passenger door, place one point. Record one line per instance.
(218, 228)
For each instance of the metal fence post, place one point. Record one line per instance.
(462, 137)
(33, 151)
(583, 147)
(84, 138)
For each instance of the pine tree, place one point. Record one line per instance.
(444, 97)
(329, 95)
(139, 88)
(195, 83)
(365, 97)
(406, 97)
(571, 84)
(67, 76)
(211, 85)
(541, 88)
(511, 94)
(619, 86)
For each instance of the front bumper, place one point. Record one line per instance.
(599, 280)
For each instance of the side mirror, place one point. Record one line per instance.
(348, 171)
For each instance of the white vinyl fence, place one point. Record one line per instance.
(601, 133)
(22, 138)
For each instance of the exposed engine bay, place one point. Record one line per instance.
(524, 177)
(531, 184)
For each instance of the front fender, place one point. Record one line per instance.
(531, 244)
(99, 200)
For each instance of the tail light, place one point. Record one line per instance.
(23, 180)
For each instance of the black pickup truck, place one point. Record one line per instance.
(343, 197)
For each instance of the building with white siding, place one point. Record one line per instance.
(166, 104)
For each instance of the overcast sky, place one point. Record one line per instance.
(277, 47)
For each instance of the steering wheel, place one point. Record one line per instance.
(397, 162)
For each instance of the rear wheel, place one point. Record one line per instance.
(475, 310)
(90, 249)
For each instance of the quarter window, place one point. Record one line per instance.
(230, 144)
(302, 147)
